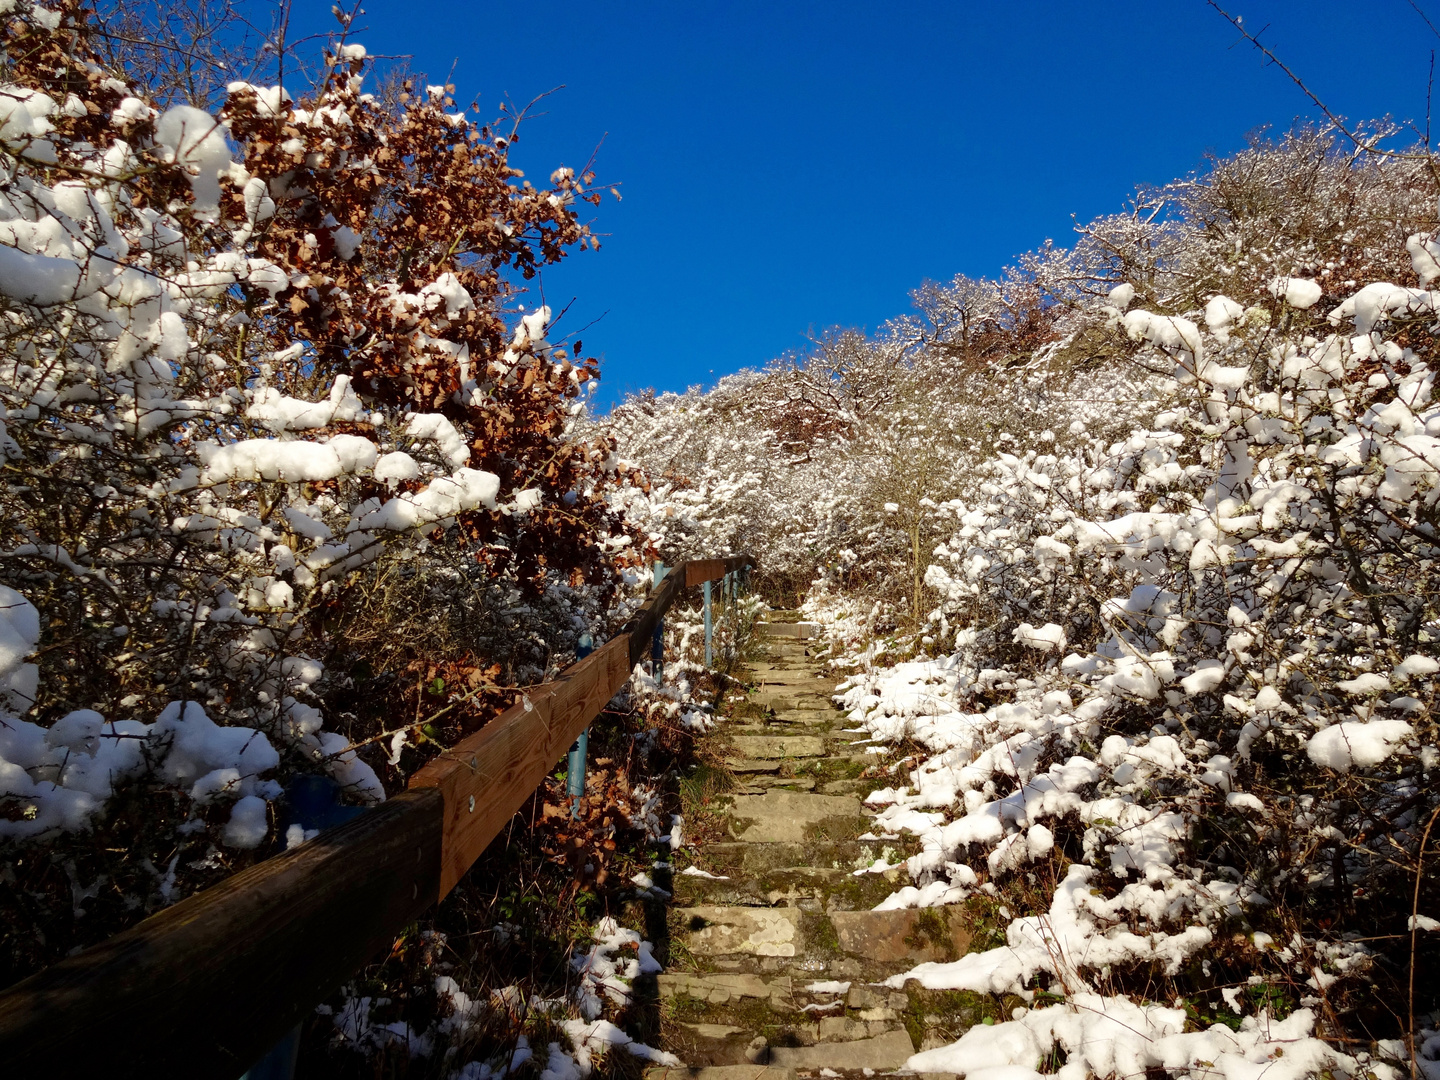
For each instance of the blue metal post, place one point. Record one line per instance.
(312, 802)
(709, 624)
(575, 764)
(657, 646)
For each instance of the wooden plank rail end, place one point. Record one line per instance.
(206, 987)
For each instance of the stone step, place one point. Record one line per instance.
(753, 765)
(791, 817)
(735, 859)
(759, 783)
(720, 989)
(719, 1072)
(727, 930)
(909, 935)
(800, 682)
(788, 722)
(777, 728)
(887, 1051)
(783, 699)
(810, 888)
(762, 747)
(788, 629)
(831, 717)
(847, 787)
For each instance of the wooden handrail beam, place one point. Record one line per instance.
(487, 776)
(204, 988)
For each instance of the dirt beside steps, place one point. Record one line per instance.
(776, 961)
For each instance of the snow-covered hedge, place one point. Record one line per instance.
(253, 363)
(1179, 578)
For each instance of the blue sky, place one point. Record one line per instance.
(792, 166)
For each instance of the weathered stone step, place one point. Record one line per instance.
(757, 783)
(792, 816)
(729, 857)
(719, 1072)
(722, 989)
(909, 935)
(792, 721)
(727, 930)
(810, 888)
(782, 699)
(762, 747)
(887, 1051)
(788, 629)
(815, 717)
(798, 681)
(847, 787)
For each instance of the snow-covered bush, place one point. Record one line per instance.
(255, 369)
(1183, 584)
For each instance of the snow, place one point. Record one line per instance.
(604, 974)
(281, 413)
(1300, 293)
(1105, 1036)
(249, 823)
(396, 466)
(1047, 638)
(446, 496)
(196, 141)
(436, 428)
(1354, 743)
(19, 635)
(1221, 313)
(827, 986)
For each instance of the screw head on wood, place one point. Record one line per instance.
(472, 804)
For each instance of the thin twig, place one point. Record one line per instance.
(1414, 931)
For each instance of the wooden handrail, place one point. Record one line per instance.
(205, 987)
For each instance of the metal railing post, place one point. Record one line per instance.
(313, 803)
(657, 646)
(575, 764)
(709, 625)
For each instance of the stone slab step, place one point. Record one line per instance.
(752, 765)
(828, 716)
(805, 719)
(720, 1072)
(788, 887)
(789, 816)
(761, 747)
(847, 787)
(729, 857)
(714, 930)
(783, 699)
(782, 673)
(788, 629)
(724, 989)
(910, 934)
(888, 1051)
(797, 682)
(759, 783)
(806, 887)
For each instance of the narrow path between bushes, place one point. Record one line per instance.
(776, 960)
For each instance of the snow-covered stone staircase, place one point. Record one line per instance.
(777, 961)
